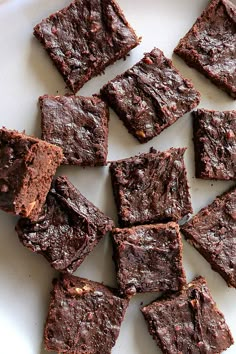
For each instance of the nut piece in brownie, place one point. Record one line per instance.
(149, 258)
(209, 46)
(150, 96)
(188, 322)
(215, 144)
(84, 38)
(68, 228)
(213, 233)
(151, 187)
(79, 125)
(27, 166)
(84, 317)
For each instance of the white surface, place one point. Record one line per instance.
(25, 73)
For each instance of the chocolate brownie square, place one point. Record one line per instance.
(188, 322)
(84, 317)
(150, 96)
(209, 46)
(213, 233)
(84, 38)
(79, 125)
(215, 144)
(151, 187)
(27, 165)
(149, 258)
(67, 230)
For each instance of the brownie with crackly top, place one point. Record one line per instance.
(151, 187)
(79, 125)
(209, 46)
(84, 38)
(214, 135)
(150, 96)
(27, 166)
(68, 228)
(213, 233)
(148, 258)
(188, 322)
(84, 317)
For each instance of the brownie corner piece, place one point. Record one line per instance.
(209, 46)
(188, 321)
(151, 187)
(79, 125)
(84, 38)
(84, 317)
(150, 96)
(212, 232)
(148, 258)
(215, 144)
(68, 228)
(34, 162)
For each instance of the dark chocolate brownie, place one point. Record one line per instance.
(209, 46)
(213, 233)
(188, 322)
(151, 187)
(68, 228)
(84, 38)
(79, 125)
(150, 96)
(149, 258)
(84, 317)
(215, 144)
(27, 165)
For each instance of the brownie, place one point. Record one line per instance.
(27, 165)
(213, 233)
(84, 317)
(151, 187)
(188, 322)
(150, 96)
(215, 144)
(79, 125)
(149, 258)
(84, 38)
(68, 228)
(209, 46)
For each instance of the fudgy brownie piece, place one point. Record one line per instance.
(151, 187)
(213, 233)
(215, 144)
(149, 258)
(150, 96)
(84, 317)
(188, 322)
(68, 228)
(79, 125)
(27, 165)
(209, 46)
(84, 38)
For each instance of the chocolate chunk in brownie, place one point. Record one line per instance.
(79, 125)
(215, 144)
(150, 96)
(27, 165)
(209, 46)
(188, 322)
(213, 233)
(149, 258)
(68, 228)
(84, 317)
(84, 38)
(151, 187)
